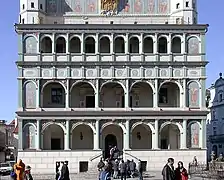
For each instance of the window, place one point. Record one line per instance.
(187, 4)
(220, 97)
(56, 95)
(86, 22)
(55, 22)
(23, 6)
(177, 5)
(33, 20)
(214, 131)
(32, 4)
(163, 96)
(111, 22)
(23, 21)
(41, 6)
(20, 19)
(135, 22)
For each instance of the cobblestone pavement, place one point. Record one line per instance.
(84, 176)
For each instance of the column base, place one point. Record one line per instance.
(38, 149)
(67, 149)
(97, 149)
(156, 149)
(184, 148)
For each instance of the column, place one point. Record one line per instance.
(67, 43)
(20, 95)
(155, 44)
(141, 44)
(97, 94)
(126, 104)
(184, 135)
(112, 44)
(67, 94)
(53, 43)
(126, 44)
(183, 44)
(155, 95)
(38, 94)
(156, 136)
(127, 135)
(184, 93)
(20, 134)
(38, 135)
(97, 44)
(96, 144)
(203, 134)
(82, 43)
(67, 135)
(169, 43)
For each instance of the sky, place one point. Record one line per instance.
(208, 13)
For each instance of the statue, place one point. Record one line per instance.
(109, 7)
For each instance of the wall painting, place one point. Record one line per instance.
(29, 137)
(30, 45)
(193, 45)
(194, 131)
(193, 95)
(163, 6)
(30, 95)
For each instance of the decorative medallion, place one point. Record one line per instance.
(105, 73)
(134, 72)
(75, 73)
(90, 73)
(148, 72)
(119, 72)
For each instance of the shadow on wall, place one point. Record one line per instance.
(57, 7)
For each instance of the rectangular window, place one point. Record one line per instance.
(33, 20)
(32, 4)
(23, 6)
(177, 5)
(41, 6)
(187, 4)
(23, 21)
(57, 95)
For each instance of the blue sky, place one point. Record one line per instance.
(209, 13)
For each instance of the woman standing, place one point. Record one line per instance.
(181, 172)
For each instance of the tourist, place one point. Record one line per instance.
(112, 150)
(28, 175)
(132, 166)
(123, 170)
(168, 172)
(181, 172)
(140, 170)
(128, 172)
(60, 170)
(195, 161)
(116, 169)
(105, 174)
(100, 166)
(220, 158)
(57, 170)
(65, 171)
(19, 169)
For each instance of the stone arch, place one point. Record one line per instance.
(146, 82)
(83, 81)
(162, 44)
(52, 81)
(30, 44)
(171, 123)
(148, 44)
(174, 82)
(133, 44)
(90, 44)
(193, 94)
(104, 44)
(46, 42)
(60, 44)
(176, 44)
(142, 135)
(113, 123)
(44, 36)
(115, 82)
(29, 94)
(119, 44)
(45, 126)
(61, 36)
(105, 35)
(29, 136)
(75, 44)
(82, 135)
(75, 36)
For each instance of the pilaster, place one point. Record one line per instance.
(155, 44)
(141, 44)
(184, 135)
(156, 135)
(96, 144)
(97, 94)
(127, 136)
(155, 95)
(127, 94)
(97, 43)
(112, 44)
(169, 43)
(126, 43)
(20, 94)
(184, 93)
(82, 43)
(53, 43)
(67, 94)
(67, 43)
(38, 135)
(38, 94)
(20, 134)
(67, 135)
(204, 134)
(183, 44)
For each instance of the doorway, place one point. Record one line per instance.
(55, 144)
(90, 101)
(110, 141)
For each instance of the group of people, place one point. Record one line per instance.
(21, 172)
(170, 173)
(119, 169)
(62, 171)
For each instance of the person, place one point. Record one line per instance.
(105, 174)
(13, 174)
(19, 168)
(181, 172)
(60, 170)
(116, 169)
(100, 166)
(65, 171)
(140, 170)
(57, 170)
(168, 172)
(28, 175)
(123, 170)
(132, 166)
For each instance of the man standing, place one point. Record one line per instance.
(168, 172)
(123, 170)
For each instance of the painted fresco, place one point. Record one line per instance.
(194, 131)
(193, 95)
(29, 137)
(193, 45)
(30, 95)
(108, 7)
(30, 45)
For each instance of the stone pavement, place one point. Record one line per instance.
(84, 176)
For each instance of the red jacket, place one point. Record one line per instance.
(181, 175)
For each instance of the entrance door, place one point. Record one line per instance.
(90, 101)
(55, 144)
(110, 141)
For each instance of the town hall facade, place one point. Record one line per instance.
(107, 74)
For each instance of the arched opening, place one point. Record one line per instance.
(193, 135)
(46, 45)
(75, 45)
(142, 137)
(112, 95)
(90, 45)
(176, 45)
(30, 95)
(112, 135)
(104, 45)
(169, 95)
(133, 45)
(82, 96)
(119, 45)
(30, 45)
(53, 137)
(193, 45)
(60, 45)
(162, 45)
(148, 45)
(82, 137)
(53, 96)
(29, 136)
(141, 95)
(170, 137)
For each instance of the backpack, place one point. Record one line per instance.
(12, 174)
